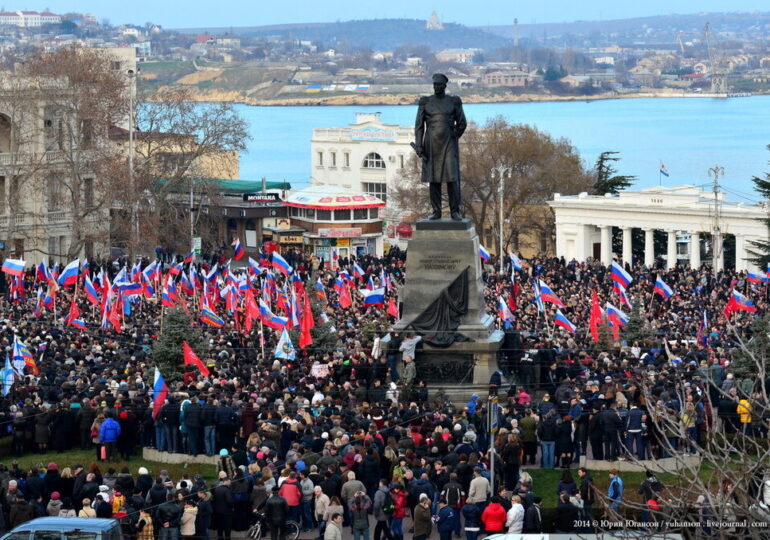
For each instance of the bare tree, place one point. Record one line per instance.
(180, 148)
(59, 108)
(720, 463)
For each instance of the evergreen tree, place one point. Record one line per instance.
(636, 329)
(607, 179)
(167, 350)
(760, 254)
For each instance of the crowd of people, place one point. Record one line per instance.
(349, 433)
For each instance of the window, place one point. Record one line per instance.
(401, 161)
(309, 213)
(360, 214)
(374, 213)
(378, 189)
(373, 160)
(342, 215)
(13, 197)
(53, 246)
(54, 194)
(323, 215)
(88, 192)
(346, 159)
(2, 194)
(334, 158)
(320, 156)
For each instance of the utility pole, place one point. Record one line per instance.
(715, 173)
(503, 172)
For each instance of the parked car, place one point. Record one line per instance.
(56, 528)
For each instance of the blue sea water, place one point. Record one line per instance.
(689, 135)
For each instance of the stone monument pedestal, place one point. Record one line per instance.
(438, 253)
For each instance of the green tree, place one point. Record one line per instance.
(637, 328)
(607, 179)
(760, 254)
(167, 350)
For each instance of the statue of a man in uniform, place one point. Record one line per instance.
(439, 125)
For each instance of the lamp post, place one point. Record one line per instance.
(134, 202)
(503, 172)
(716, 172)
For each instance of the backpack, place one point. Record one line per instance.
(388, 506)
(453, 496)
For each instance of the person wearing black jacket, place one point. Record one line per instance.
(169, 515)
(611, 425)
(157, 494)
(391, 354)
(533, 519)
(208, 424)
(276, 514)
(192, 419)
(205, 512)
(170, 417)
(224, 506)
(595, 434)
(566, 515)
(586, 491)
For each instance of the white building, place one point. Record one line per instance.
(28, 19)
(365, 156)
(584, 224)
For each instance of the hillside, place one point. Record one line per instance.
(377, 34)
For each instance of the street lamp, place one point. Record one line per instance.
(502, 172)
(716, 172)
(135, 203)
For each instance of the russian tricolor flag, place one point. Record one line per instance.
(129, 289)
(753, 277)
(662, 289)
(14, 267)
(271, 319)
(483, 253)
(375, 297)
(742, 303)
(159, 393)
(358, 271)
(560, 320)
(238, 250)
(254, 267)
(620, 276)
(515, 261)
(320, 291)
(615, 315)
(190, 258)
(280, 264)
(503, 311)
(69, 276)
(547, 295)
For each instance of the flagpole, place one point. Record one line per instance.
(262, 337)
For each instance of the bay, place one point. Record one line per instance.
(689, 135)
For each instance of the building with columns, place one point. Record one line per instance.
(687, 214)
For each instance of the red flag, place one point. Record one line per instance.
(114, 316)
(306, 323)
(345, 300)
(512, 297)
(729, 307)
(191, 359)
(74, 312)
(595, 317)
(392, 307)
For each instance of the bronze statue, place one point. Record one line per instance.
(439, 125)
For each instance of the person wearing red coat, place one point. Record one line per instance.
(398, 495)
(494, 516)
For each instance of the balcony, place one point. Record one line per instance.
(57, 216)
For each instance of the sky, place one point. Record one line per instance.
(224, 13)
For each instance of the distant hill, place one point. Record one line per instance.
(378, 34)
(689, 24)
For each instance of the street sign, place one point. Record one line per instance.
(196, 245)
